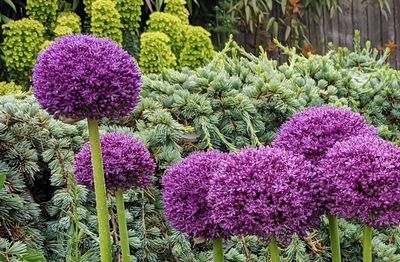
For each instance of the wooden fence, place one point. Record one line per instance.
(339, 29)
(373, 25)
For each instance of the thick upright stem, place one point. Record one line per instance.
(218, 250)
(100, 190)
(122, 227)
(367, 244)
(335, 241)
(273, 250)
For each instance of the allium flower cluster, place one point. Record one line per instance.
(313, 131)
(85, 76)
(264, 192)
(185, 188)
(127, 163)
(363, 178)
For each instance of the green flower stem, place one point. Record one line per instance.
(122, 227)
(218, 250)
(273, 250)
(335, 241)
(100, 190)
(367, 244)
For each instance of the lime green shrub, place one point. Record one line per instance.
(106, 21)
(198, 49)
(177, 8)
(130, 11)
(155, 53)
(68, 20)
(22, 42)
(44, 11)
(88, 6)
(169, 25)
(61, 30)
(9, 88)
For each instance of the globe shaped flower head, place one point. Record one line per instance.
(127, 163)
(264, 192)
(312, 132)
(86, 77)
(185, 188)
(364, 179)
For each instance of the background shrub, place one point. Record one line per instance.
(9, 88)
(198, 48)
(69, 20)
(44, 11)
(178, 9)
(22, 43)
(155, 53)
(105, 20)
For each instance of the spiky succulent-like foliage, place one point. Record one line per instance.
(106, 20)
(44, 11)
(177, 8)
(155, 53)
(22, 42)
(171, 26)
(198, 49)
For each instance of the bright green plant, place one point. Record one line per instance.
(9, 88)
(44, 11)
(198, 49)
(130, 11)
(177, 8)
(106, 21)
(88, 6)
(46, 44)
(70, 20)
(22, 42)
(155, 53)
(170, 25)
(61, 30)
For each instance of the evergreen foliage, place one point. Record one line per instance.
(44, 11)
(105, 20)
(198, 49)
(155, 53)
(170, 25)
(178, 9)
(88, 6)
(22, 42)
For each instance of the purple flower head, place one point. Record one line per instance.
(127, 163)
(264, 192)
(363, 178)
(185, 188)
(86, 77)
(312, 132)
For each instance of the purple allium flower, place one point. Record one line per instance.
(127, 163)
(363, 178)
(264, 192)
(312, 132)
(86, 77)
(185, 188)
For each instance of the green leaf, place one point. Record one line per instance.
(269, 4)
(2, 179)
(283, 5)
(33, 256)
(270, 22)
(11, 4)
(287, 32)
